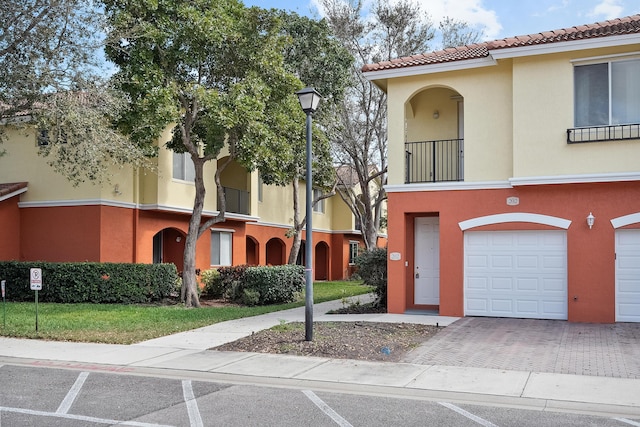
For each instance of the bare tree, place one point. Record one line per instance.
(359, 135)
(458, 33)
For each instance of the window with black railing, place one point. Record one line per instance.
(434, 161)
(603, 133)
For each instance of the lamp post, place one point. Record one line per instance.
(309, 99)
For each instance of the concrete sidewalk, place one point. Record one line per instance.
(185, 354)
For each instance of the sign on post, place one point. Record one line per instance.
(2, 283)
(36, 279)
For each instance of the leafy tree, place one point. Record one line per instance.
(49, 69)
(319, 60)
(214, 70)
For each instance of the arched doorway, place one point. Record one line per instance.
(275, 254)
(252, 251)
(321, 258)
(168, 247)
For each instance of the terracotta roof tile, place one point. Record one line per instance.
(11, 187)
(613, 27)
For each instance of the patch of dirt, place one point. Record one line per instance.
(374, 341)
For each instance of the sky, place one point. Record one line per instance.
(498, 18)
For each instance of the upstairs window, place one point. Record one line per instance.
(353, 252)
(607, 93)
(183, 168)
(319, 206)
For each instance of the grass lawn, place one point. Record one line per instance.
(126, 324)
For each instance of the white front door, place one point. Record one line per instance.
(427, 261)
(628, 276)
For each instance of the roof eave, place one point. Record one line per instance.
(566, 46)
(416, 70)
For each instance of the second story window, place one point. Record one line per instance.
(319, 206)
(183, 168)
(607, 93)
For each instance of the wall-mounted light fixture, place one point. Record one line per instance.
(590, 220)
(436, 114)
(116, 190)
(178, 239)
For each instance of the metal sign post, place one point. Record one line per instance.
(35, 279)
(4, 308)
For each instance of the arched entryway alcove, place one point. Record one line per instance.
(321, 261)
(252, 251)
(168, 247)
(275, 252)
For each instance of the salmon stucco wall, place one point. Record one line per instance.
(590, 252)
(10, 229)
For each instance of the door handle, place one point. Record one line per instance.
(417, 275)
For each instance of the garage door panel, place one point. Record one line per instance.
(628, 275)
(523, 274)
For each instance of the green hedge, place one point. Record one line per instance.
(90, 282)
(260, 285)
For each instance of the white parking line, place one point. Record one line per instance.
(192, 406)
(626, 421)
(326, 409)
(72, 394)
(469, 415)
(80, 417)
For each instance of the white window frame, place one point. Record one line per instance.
(354, 249)
(319, 206)
(221, 254)
(609, 61)
(187, 172)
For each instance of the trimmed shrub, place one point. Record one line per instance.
(372, 267)
(91, 282)
(212, 281)
(261, 285)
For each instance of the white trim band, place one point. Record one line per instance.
(447, 186)
(515, 217)
(13, 194)
(621, 221)
(576, 179)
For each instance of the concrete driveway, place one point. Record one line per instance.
(554, 346)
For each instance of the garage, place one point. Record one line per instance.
(516, 274)
(627, 275)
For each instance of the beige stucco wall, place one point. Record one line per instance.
(516, 116)
(543, 111)
(22, 163)
(486, 93)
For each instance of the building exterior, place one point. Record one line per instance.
(514, 176)
(142, 216)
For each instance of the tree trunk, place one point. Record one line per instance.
(297, 226)
(189, 281)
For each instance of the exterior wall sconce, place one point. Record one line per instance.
(178, 239)
(436, 114)
(116, 190)
(590, 220)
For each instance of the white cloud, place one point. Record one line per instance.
(608, 9)
(469, 11)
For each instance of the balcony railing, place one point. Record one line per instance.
(434, 161)
(603, 133)
(237, 200)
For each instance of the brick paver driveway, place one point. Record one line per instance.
(611, 350)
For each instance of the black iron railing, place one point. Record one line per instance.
(603, 133)
(434, 161)
(237, 200)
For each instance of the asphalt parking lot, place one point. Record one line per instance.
(37, 396)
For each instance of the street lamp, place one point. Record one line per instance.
(309, 99)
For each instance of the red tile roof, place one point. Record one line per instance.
(11, 187)
(613, 27)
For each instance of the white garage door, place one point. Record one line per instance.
(516, 274)
(628, 276)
